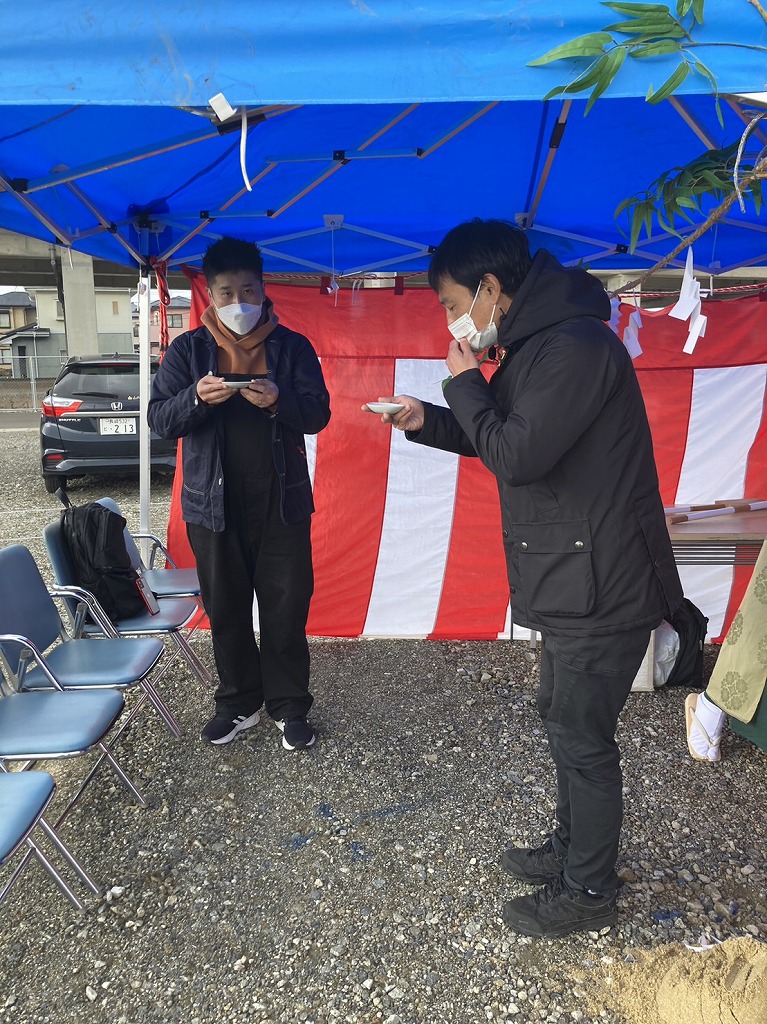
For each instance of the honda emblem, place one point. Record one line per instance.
(117, 406)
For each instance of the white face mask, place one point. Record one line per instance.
(464, 328)
(240, 317)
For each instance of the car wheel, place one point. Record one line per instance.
(52, 483)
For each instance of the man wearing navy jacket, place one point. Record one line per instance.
(242, 390)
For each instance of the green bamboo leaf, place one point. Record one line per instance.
(654, 49)
(702, 69)
(674, 80)
(647, 27)
(713, 180)
(666, 221)
(636, 226)
(613, 63)
(648, 221)
(591, 76)
(637, 9)
(683, 7)
(625, 205)
(583, 46)
(697, 11)
(686, 204)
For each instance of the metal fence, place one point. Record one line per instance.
(17, 393)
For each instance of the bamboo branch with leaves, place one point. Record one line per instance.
(653, 31)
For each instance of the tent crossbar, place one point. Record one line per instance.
(309, 188)
(457, 130)
(208, 217)
(386, 238)
(574, 236)
(742, 225)
(357, 154)
(348, 155)
(692, 122)
(555, 139)
(321, 268)
(384, 263)
(296, 234)
(754, 261)
(118, 160)
(106, 225)
(737, 107)
(382, 131)
(40, 215)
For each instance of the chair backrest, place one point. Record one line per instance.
(133, 552)
(61, 563)
(26, 607)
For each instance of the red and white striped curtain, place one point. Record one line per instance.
(407, 540)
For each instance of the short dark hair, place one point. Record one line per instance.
(228, 255)
(479, 247)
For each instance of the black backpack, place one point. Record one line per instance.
(691, 625)
(100, 562)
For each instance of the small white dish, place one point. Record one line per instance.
(382, 407)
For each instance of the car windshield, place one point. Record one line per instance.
(114, 381)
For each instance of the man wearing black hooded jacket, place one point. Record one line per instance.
(562, 425)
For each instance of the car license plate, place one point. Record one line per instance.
(111, 425)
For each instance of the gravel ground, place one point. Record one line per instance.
(359, 881)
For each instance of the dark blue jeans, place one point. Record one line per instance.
(584, 684)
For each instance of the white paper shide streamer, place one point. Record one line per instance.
(688, 306)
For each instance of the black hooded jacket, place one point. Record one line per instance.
(562, 426)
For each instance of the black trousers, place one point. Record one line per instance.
(584, 685)
(258, 553)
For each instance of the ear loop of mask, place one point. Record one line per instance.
(473, 301)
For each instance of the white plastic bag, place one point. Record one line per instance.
(666, 651)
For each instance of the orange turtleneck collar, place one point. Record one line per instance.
(246, 354)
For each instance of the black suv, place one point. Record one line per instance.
(90, 423)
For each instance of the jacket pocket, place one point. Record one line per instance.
(555, 566)
(655, 532)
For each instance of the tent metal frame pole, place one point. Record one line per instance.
(382, 131)
(383, 263)
(144, 309)
(78, 193)
(457, 130)
(692, 122)
(555, 139)
(59, 233)
(119, 160)
(338, 164)
(737, 107)
(209, 219)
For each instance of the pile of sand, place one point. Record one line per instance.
(726, 984)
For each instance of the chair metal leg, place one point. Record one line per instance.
(35, 851)
(58, 879)
(117, 768)
(70, 858)
(162, 708)
(190, 656)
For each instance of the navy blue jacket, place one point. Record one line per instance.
(175, 410)
(562, 426)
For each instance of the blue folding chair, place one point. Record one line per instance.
(36, 651)
(87, 618)
(162, 581)
(24, 798)
(53, 724)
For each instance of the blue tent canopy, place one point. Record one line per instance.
(371, 129)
